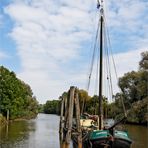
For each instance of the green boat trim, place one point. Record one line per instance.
(95, 134)
(98, 134)
(122, 135)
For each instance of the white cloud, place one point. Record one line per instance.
(48, 39)
(52, 36)
(124, 62)
(127, 21)
(127, 62)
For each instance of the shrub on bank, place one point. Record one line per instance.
(138, 112)
(2, 119)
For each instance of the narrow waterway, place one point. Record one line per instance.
(42, 132)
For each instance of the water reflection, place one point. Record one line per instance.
(41, 132)
(139, 135)
(11, 135)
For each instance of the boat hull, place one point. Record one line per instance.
(121, 143)
(102, 138)
(104, 143)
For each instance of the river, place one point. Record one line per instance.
(42, 132)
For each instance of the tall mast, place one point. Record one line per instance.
(101, 68)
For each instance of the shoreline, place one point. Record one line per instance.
(3, 120)
(134, 123)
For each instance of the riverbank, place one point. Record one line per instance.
(25, 118)
(135, 123)
(2, 120)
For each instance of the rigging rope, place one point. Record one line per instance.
(109, 76)
(109, 60)
(97, 73)
(111, 53)
(93, 58)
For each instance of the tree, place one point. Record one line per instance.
(134, 86)
(52, 107)
(144, 61)
(15, 96)
(41, 108)
(128, 84)
(83, 99)
(92, 106)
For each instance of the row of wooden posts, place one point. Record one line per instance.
(70, 104)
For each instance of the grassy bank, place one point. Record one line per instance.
(2, 120)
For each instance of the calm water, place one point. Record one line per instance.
(42, 132)
(139, 135)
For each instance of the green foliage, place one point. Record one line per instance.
(2, 119)
(83, 99)
(92, 106)
(88, 103)
(134, 86)
(41, 108)
(144, 62)
(16, 96)
(138, 112)
(52, 107)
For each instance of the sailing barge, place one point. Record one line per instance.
(82, 131)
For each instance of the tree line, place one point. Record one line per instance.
(50, 107)
(134, 86)
(16, 97)
(134, 92)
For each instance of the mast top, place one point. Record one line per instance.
(100, 6)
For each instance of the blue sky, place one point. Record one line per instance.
(47, 43)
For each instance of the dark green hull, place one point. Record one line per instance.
(102, 138)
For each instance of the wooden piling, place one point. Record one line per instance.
(61, 126)
(66, 119)
(70, 116)
(77, 106)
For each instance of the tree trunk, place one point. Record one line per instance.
(7, 114)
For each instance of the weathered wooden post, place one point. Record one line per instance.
(66, 119)
(66, 127)
(65, 113)
(61, 126)
(70, 117)
(79, 138)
